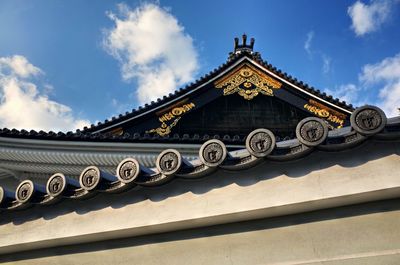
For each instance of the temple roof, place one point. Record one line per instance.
(140, 125)
(241, 114)
(368, 123)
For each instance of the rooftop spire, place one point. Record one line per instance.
(243, 47)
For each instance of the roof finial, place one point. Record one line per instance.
(252, 40)
(244, 38)
(236, 43)
(243, 47)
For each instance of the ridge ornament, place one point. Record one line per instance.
(248, 82)
(312, 131)
(169, 162)
(260, 142)
(212, 153)
(128, 170)
(90, 178)
(368, 120)
(56, 185)
(24, 191)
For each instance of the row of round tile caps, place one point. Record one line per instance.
(312, 131)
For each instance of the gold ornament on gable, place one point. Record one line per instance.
(170, 118)
(326, 113)
(248, 82)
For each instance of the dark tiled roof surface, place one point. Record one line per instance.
(367, 122)
(126, 137)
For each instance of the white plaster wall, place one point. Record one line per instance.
(319, 181)
(355, 235)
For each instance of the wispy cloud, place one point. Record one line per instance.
(367, 18)
(326, 60)
(23, 106)
(326, 63)
(307, 43)
(152, 48)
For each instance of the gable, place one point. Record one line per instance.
(244, 97)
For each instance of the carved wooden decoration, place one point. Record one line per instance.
(325, 113)
(170, 118)
(248, 82)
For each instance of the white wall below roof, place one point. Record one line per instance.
(360, 234)
(321, 180)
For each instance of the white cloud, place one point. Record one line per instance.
(381, 79)
(326, 66)
(326, 60)
(386, 70)
(386, 76)
(19, 66)
(349, 93)
(368, 18)
(23, 106)
(307, 43)
(152, 48)
(390, 94)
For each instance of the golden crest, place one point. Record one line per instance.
(117, 132)
(325, 112)
(173, 114)
(248, 82)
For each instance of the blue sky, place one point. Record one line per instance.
(64, 64)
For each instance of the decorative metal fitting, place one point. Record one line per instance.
(212, 153)
(56, 185)
(89, 178)
(169, 162)
(260, 142)
(311, 131)
(368, 120)
(128, 170)
(24, 191)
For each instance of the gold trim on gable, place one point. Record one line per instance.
(248, 82)
(171, 117)
(117, 131)
(326, 113)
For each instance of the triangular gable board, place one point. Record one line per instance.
(245, 95)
